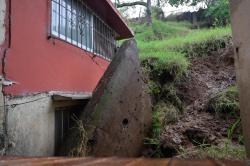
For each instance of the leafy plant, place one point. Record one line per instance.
(218, 10)
(232, 128)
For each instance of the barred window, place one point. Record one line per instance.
(77, 24)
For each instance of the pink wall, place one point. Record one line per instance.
(39, 64)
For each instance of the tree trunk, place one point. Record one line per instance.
(147, 4)
(149, 13)
(158, 3)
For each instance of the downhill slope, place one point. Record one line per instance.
(191, 78)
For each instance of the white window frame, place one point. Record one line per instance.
(69, 39)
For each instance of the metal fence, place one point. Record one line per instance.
(74, 22)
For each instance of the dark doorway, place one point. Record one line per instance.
(65, 119)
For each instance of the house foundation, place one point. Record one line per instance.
(33, 122)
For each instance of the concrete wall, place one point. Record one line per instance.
(241, 37)
(31, 125)
(2, 18)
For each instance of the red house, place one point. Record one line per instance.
(53, 53)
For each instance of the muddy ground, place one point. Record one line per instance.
(206, 77)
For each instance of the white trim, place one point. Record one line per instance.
(69, 39)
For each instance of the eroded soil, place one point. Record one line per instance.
(206, 77)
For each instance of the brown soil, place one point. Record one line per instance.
(207, 76)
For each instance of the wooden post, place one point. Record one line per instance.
(241, 37)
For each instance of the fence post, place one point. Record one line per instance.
(241, 37)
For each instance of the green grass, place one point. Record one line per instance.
(162, 47)
(226, 102)
(172, 43)
(227, 150)
(159, 30)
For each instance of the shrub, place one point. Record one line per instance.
(218, 11)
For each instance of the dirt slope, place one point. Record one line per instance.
(206, 77)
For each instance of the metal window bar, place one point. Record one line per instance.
(87, 30)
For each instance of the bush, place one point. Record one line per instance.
(218, 10)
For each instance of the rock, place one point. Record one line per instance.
(118, 116)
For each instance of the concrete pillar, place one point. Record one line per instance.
(241, 37)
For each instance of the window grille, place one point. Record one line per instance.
(74, 22)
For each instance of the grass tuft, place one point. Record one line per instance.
(227, 150)
(226, 102)
(81, 149)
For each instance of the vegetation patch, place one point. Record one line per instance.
(160, 30)
(204, 48)
(166, 68)
(226, 102)
(80, 150)
(174, 45)
(227, 150)
(163, 114)
(165, 59)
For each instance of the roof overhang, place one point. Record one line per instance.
(108, 12)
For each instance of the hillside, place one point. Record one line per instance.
(191, 79)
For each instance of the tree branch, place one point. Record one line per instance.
(120, 5)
